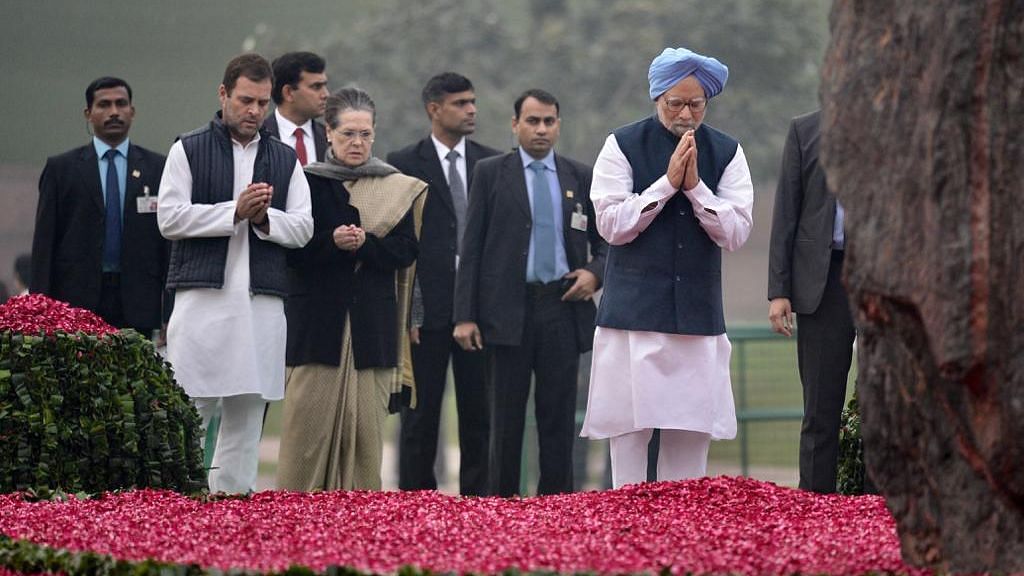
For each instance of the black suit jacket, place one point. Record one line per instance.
(804, 215)
(319, 135)
(491, 285)
(435, 267)
(67, 246)
(325, 286)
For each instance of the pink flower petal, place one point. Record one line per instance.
(709, 525)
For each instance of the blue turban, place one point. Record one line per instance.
(674, 64)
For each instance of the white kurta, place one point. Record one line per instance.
(227, 341)
(642, 380)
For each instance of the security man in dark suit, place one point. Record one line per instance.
(96, 244)
(805, 277)
(300, 95)
(445, 160)
(524, 290)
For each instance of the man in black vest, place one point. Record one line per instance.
(232, 201)
(96, 244)
(531, 262)
(444, 160)
(300, 95)
(670, 192)
(805, 267)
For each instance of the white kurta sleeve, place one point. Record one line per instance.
(728, 216)
(621, 214)
(176, 215)
(293, 226)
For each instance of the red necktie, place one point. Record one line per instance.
(300, 146)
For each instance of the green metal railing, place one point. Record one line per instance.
(742, 338)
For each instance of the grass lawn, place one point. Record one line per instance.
(765, 382)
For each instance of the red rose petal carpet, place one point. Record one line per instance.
(709, 525)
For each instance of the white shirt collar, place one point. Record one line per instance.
(255, 141)
(442, 150)
(286, 128)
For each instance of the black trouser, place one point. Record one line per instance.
(418, 442)
(824, 352)
(111, 307)
(549, 351)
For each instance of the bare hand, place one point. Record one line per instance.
(349, 237)
(414, 335)
(780, 313)
(682, 166)
(583, 288)
(261, 221)
(260, 217)
(691, 177)
(467, 334)
(253, 201)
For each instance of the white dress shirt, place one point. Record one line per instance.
(460, 164)
(287, 130)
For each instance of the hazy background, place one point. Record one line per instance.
(592, 55)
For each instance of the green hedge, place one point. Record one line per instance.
(851, 473)
(30, 558)
(84, 413)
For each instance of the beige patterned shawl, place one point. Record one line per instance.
(382, 203)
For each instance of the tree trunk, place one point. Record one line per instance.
(922, 144)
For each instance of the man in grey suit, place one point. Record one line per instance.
(805, 277)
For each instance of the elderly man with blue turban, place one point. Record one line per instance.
(669, 193)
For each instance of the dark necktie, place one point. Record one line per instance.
(543, 225)
(300, 146)
(459, 200)
(112, 236)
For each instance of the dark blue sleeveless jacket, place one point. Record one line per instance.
(669, 279)
(200, 262)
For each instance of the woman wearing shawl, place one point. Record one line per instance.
(348, 307)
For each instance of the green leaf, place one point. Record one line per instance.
(82, 413)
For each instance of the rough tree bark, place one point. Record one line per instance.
(922, 143)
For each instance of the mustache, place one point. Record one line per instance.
(114, 121)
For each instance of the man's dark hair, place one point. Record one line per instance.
(288, 69)
(443, 84)
(252, 66)
(103, 83)
(542, 96)
(23, 269)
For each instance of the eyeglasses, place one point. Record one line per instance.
(676, 105)
(353, 135)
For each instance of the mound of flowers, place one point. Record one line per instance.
(710, 525)
(35, 313)
(86, 407)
